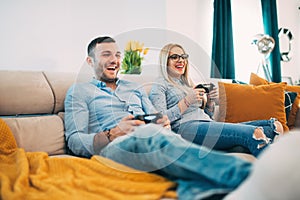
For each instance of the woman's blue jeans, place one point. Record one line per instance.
(199, 171)
(223, 136)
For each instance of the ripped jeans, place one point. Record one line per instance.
(223, 136)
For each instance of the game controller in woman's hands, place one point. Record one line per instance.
(206, 86)
(149, 118)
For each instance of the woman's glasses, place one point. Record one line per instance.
(175, 57)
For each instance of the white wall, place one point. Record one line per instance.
(53, 34)
(246, 16)
(289, 17)
(194, 20)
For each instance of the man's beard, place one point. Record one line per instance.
(108, 80)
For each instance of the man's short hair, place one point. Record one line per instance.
(98, 40)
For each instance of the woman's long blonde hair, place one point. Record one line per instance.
(163, 62)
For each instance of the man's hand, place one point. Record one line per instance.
(126, 125)
(164, 121)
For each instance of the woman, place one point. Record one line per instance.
(190, 109)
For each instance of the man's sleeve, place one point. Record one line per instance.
(79, 140)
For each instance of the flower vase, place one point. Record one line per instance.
(135, 70)
(133, 56)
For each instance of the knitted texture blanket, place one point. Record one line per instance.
(35, 175)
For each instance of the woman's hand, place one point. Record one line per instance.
(213, 95)
(197, 96)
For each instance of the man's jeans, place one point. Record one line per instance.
(199, 172)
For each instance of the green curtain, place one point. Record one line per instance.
(269, 13)
(222, 47)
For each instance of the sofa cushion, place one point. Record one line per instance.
(60, 83)
(38, 133)
(292, 96)
(240, 103)
(24, 92)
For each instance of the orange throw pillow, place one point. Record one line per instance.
(256, 80)
(240, 103)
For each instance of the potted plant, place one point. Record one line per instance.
(133, 57)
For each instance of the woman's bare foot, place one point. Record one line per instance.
(279, 130)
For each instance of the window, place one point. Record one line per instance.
(246, 23)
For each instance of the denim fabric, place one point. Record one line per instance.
(199, 172)
(92, 107)
(223, 136)
(196, 126)
(267, 125)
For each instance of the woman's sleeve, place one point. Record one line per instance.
(158, 97)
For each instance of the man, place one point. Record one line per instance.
(99, 120)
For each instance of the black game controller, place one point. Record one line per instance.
(206, 86)
(149, 118)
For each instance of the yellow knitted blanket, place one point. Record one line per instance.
(34, 175)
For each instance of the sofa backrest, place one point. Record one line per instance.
(33, 92)
(38, 92)
(25, 93)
